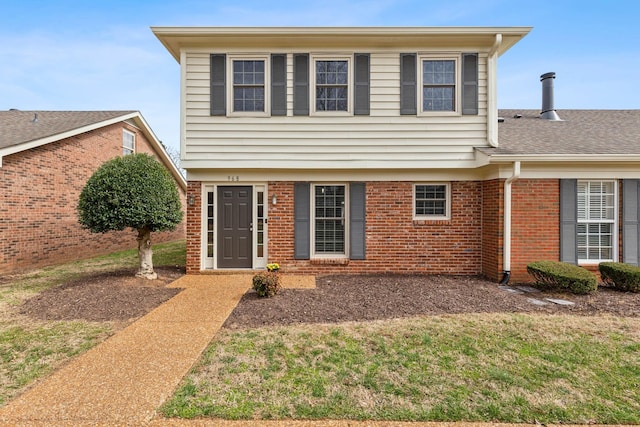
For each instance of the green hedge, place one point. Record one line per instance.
(625, 277)
(556, 274)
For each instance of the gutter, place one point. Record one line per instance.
(506, 235)
(492, 95)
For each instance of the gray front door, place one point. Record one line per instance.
(235, 227)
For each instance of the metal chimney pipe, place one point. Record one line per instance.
(548, 111)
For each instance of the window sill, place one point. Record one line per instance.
(432, 221)
(329, 261)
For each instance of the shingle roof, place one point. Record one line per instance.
(18, 127)
(582, 132)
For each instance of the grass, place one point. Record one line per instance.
(482, 367)
(30, 349)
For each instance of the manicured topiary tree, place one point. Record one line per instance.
(133, 191)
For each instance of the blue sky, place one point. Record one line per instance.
(101, 55)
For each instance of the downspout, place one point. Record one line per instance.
(506, 237)
(492, 92)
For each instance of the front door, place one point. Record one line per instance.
(234, 227)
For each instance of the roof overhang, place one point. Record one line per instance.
(478, 38)
(483, 159)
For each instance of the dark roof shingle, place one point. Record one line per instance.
(18, 127)
(581, 132)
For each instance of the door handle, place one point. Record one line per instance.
(251, 226)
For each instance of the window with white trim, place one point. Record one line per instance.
(596, 228)
(329, 205)
(432, 201)
(439, 88)
(248, 92)
(332, 83)
(128, 142)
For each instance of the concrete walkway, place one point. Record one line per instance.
(125, 379)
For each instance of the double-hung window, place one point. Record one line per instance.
(128, 142)
(332, 85)
(596, 225)
(439, 85)
(432, 201)
(329, 220)
(248, 91)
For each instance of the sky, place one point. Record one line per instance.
(102, 55)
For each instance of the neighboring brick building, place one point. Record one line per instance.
(46, 158)
(371, 150)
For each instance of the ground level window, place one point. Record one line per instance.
(431, 201)
(596, 220)
(329, 219)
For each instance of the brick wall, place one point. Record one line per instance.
(535, 228)
(39, 191)
(194, 226)
(395, 241)
(492, 228)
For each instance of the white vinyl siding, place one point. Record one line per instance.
(384, 139)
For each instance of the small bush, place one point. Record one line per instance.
(266, 284)
(556, 274)
(625, 277)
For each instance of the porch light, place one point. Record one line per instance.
(274, 200)
(191, 200)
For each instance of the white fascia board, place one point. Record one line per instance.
(562, 158)
(328, 165)
(235, 176)
(176, 38)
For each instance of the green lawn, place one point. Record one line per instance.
(30, 349)
(481, 367)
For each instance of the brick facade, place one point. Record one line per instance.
(492, 228)
(535, 227)
(39, 191)
(470, 243)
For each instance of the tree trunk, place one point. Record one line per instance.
(145, 255)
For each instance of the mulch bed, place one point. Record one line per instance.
(119, 296)
(362, 298)
(113, 296)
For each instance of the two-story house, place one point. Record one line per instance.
(356, 150)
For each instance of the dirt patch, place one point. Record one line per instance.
(356, 298)
(112, 296)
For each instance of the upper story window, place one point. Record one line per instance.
(332, 84)
(432, 201)
(248, 85)
(438, 85)
(128, 142)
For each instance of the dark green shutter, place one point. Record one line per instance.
(218, 82)
(302, 220)
(408, 84)
(470, 83)
(568, 220)
(357, 220)
(301, 84)
(278, 84)
(630, 220)
(361, 90)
